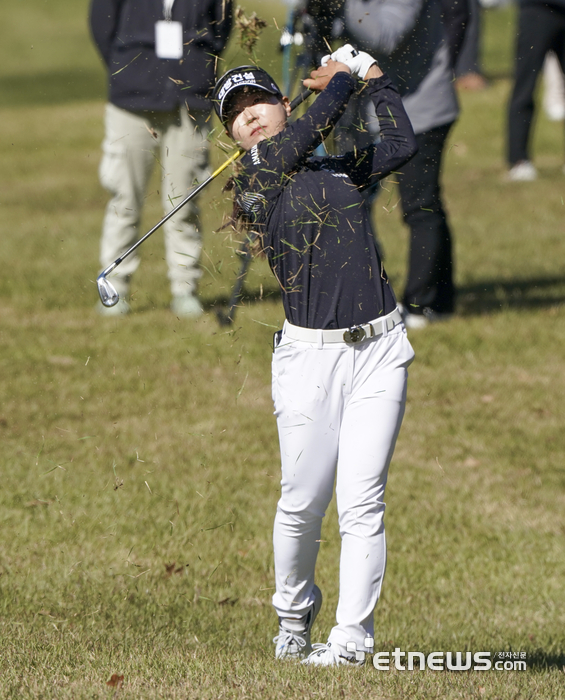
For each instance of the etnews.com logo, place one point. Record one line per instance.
(440, 660)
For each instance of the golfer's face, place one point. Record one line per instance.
(255, 116)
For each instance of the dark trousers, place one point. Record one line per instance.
(540, 29)
(430, 265)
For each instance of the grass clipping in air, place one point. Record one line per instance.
(250, 29)
(140, 458)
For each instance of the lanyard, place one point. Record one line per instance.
(168, 9)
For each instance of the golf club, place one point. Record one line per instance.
(106, 290)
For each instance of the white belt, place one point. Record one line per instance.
(351, 336)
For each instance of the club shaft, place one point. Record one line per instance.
(173, 211)
(299, 99)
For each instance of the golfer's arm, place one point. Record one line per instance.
(299, 140)
(397, 140)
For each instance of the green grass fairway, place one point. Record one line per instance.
(139, 466)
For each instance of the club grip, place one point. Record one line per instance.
(299, 99)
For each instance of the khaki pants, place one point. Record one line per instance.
(133, 143)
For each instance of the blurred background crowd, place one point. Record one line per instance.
(162, 61)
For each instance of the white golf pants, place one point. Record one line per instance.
(339, 408)
(134, 142)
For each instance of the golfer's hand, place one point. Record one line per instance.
(361, 64)
(320, 77)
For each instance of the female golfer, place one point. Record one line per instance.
(340, 362)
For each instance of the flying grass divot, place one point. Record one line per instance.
(249, 28)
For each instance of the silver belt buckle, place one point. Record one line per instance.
(355, 334)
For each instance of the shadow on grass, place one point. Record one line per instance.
(491, 296)
(220, 305)
(540, 660)
(487, 297)
(251, 296)
(56, 87)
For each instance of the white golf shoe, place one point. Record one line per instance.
(417, 321)
(293, 639)
(332, 655)
(186, 306)
(523, 171)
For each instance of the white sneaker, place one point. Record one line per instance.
(414, 321)
(331, 655)
(120, 309)
(187, 306)
(293, 639)
(523, 171)
(417, 321)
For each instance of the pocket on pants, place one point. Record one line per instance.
(302, 377)
(111, 169)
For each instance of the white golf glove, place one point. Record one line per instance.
(358, 62)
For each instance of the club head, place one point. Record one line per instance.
(107, 292)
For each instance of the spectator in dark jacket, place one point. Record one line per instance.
(416, 42)
(161, 61)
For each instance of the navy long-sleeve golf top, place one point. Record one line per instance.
(310, 213)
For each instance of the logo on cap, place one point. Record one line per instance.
(234, 81)
(240, 77)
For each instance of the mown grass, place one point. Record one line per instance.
(140, 460)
